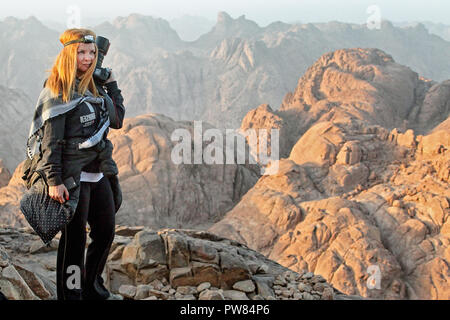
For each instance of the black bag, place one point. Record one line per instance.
(46, 216)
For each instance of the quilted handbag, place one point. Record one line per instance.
(46, 216)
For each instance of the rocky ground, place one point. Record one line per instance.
(161, 265)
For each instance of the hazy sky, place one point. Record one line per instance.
(260, 11)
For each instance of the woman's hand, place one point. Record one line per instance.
(58, 193)
(111, 78)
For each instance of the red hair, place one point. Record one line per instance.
(63, 73)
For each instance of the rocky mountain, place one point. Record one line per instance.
(59, 24)
(365, 181)
(159, 192)
(137, 35)
(239, 65)
(367, 84)
(5, 175)
(236, 66)
(439, 29)
(10, 196)
(161, 265)
(163, 193)
(220, 72)
(227, 27)
(362, 185)
(26, 54)
(361, 193)
(15, 118)
(360, 84)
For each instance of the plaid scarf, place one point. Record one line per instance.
(48, 107)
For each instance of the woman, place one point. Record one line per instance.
(74, 148)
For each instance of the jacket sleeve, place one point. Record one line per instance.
(52, 145)
(115, 94)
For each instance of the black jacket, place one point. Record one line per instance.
(79, 123)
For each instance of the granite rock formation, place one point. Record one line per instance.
(362, 197)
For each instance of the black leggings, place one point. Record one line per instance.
(95, 206)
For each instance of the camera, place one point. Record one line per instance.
(101, 74)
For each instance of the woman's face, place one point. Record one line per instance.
(85, 57)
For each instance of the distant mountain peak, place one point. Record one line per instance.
(225, 20)
(147, 25)
(223, 17)
(387, 24)
(31, 20)
(227, 27)
(10, 19)
(29, 25)
(421, 27)
(136, 20)
(138, 33)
